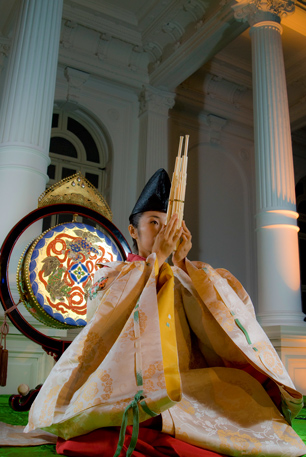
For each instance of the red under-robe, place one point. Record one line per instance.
(151, 443)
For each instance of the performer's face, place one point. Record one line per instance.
(149, 225)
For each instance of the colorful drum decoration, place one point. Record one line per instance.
(56, 272)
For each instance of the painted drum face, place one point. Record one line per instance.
(55, 273)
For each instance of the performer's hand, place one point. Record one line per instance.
(184, 247)
(166, 240)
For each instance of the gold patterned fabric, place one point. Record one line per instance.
(191, 345)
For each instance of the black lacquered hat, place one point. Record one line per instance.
(155, 194)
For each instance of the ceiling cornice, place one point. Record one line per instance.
(196, 47)
(98, 23)
(105, 8)
(182, 37)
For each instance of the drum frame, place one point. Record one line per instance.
(52, 346)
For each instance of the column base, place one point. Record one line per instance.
(290, 343)
(281, 318)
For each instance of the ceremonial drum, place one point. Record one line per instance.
(56, 272)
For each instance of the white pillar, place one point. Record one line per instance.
(277, 231)
(279, 298)
(26, 109)
(153, 128)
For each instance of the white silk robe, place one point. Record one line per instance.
(187, 344)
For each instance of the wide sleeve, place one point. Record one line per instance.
(123, 365)
(222, 317)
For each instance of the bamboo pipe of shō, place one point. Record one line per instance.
(183, 181)
(178, 184)
(174, 182)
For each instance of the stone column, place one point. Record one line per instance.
(26, 109)
(279, 298)
(25, 127)
(153, 128)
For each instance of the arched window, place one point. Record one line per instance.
(301, 209)
(77, 144)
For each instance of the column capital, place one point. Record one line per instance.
(156, 100)
(255, 11)
(76, 79)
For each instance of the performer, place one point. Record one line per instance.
(177, 350)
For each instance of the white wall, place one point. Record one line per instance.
(220, 202)
(115, 109)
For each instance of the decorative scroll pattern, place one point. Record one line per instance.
(245, 10)
(58, 269)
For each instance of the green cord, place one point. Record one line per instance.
(147, 409)
(139, 398)
(244, 330)
(135, 409)
(135, 430)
